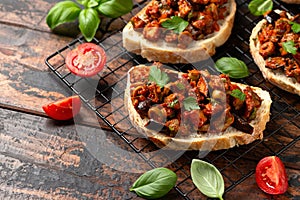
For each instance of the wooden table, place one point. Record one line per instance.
(46, 159)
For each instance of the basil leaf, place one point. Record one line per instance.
(177, 24)
(83, 2)
(88, 23)
(92, 3)
(260, 7)
(295, 27)
(289, 47)
(155, 183)
(207, 179)
(62, 12)
(115, 8)
(238, 94)
(190, 103)
(159, 77)
(233, 67)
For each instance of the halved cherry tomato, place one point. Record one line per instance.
(271, 176)
(64, 109)
(86, 60)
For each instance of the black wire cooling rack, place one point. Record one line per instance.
(104, 94)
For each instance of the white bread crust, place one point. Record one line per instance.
(277, 78)
(164, 52)
(225, 140)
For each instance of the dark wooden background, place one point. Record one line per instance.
(44, 159)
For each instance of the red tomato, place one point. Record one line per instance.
(86, 60)
(64, 109)
(271, 176)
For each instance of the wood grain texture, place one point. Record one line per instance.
(26, 13)
(40, 160)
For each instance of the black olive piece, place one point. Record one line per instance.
(272, 17)
(242, 125)
(157, 126)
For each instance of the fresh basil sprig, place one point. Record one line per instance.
(295, 27)
(289, 47)
(190, 103)
(233, 67)
(177, 24)
(155, 183)
(207, 179)
(88, 13)
(260, 7)
(159, 77)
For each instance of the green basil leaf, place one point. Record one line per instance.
(83, 2)
(155, 183)
(207, 179)
(115, 8)
(190, 103)
(238, 94)
(92, 3)
(62, 12)
(260, 7)
(177, 24)
(289, 47)
(295, 27)
(159, 77)
(88, 23)
(233, 67)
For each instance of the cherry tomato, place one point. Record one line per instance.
(271, 176)
(86, 60)
(64, 109)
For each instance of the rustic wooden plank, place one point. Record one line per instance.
(25, 80)
(42, 159)
(26, 13)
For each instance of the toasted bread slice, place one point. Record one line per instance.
(275, 77)
(229, 138)
(165, 52)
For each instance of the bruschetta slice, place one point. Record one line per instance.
(194, 110)
(183, 31)
(274, 46)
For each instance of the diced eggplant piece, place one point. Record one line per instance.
(242, 125)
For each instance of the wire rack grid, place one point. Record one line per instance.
(104, 94)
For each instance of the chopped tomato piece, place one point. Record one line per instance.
(64, 109)
(86, 60)
(271, 176)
